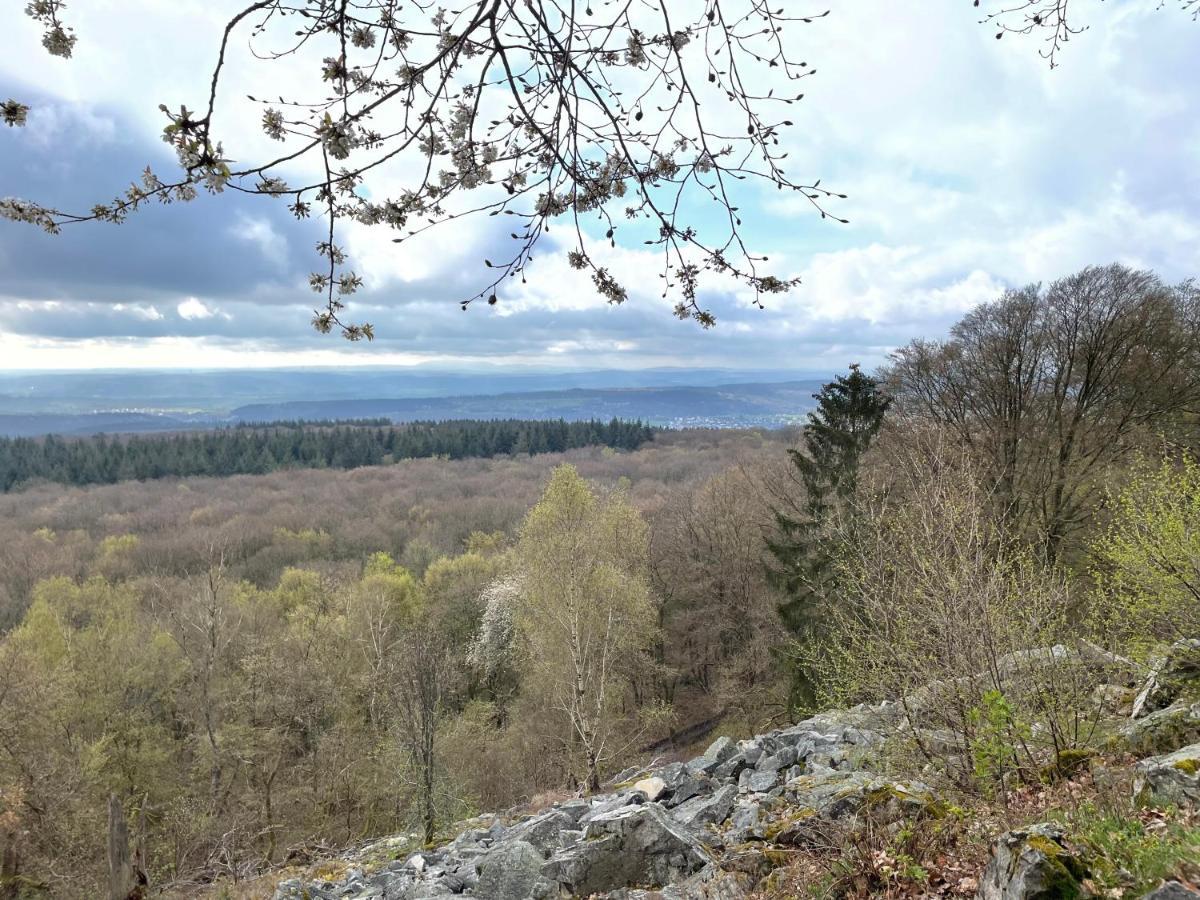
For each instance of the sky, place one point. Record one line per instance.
(970, 166)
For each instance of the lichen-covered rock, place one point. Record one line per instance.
(637, 845)
(710, 809)
(1171, 778)
(513, 871)
(1114, 699)
(1163, 730)
(710, 883)
(1032, 863)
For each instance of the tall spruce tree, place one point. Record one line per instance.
(850, 411)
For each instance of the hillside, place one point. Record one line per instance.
(770, 815)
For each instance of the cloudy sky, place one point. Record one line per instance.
(969, 166)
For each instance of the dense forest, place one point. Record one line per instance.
(257, 449)
(261, 667)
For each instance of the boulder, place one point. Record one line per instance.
(1172, 890)
(651, 788)
(1173, 676)
(636, 845)
(719, 751)
(1171, 778)
(745, 824)
(833, 796)
(1032, 863)
(1163, 730)
(781, 759)
(513, 871)
(757, 782)
(688, 787)
(542, 831)
(710, 883)
(710, 809)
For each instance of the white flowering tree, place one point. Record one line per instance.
(602, 116)
(610, 119)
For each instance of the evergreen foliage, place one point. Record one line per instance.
(253, 450)
(850, 411)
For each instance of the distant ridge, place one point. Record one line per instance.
(725, 405)
(768, 405)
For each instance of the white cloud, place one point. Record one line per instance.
(969, 164)
(192, 308)
(260, 232)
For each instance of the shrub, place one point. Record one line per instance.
(1148, 561)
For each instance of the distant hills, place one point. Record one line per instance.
(726, 405)
(138, 402)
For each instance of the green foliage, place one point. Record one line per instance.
(1132, 855)
(266, 448)
(585, 615)
(1148, 561)
(996, 732)
(850, 411)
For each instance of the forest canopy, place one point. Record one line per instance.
(257, 449)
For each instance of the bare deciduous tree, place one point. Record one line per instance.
(1053, 20)
(1055, 386)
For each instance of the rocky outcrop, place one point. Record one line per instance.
(660, 829)
(1171, 778)
(1164, 729)
(716, 826)
(1034, 863)
(1174, 675)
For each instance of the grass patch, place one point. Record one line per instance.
(1131, 854)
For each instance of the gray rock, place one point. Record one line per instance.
(719, 751)
(832, 796)
(710, 883)
(758, 782)
(783, 758)
(1172, 778)
(1032, 864)
(731, 768)
(512, 871)
(637, 845)
(542, 830)
(687, 788)
(1172, 890)
(1173, 676)
(706, 810)
(746, 823)
(1163, 730)
(752, 751)
(605, 804)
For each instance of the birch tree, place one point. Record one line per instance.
(584, 615)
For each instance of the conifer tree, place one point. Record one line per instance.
(850, 411)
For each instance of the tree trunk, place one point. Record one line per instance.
(121, 880)
(9, 868)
